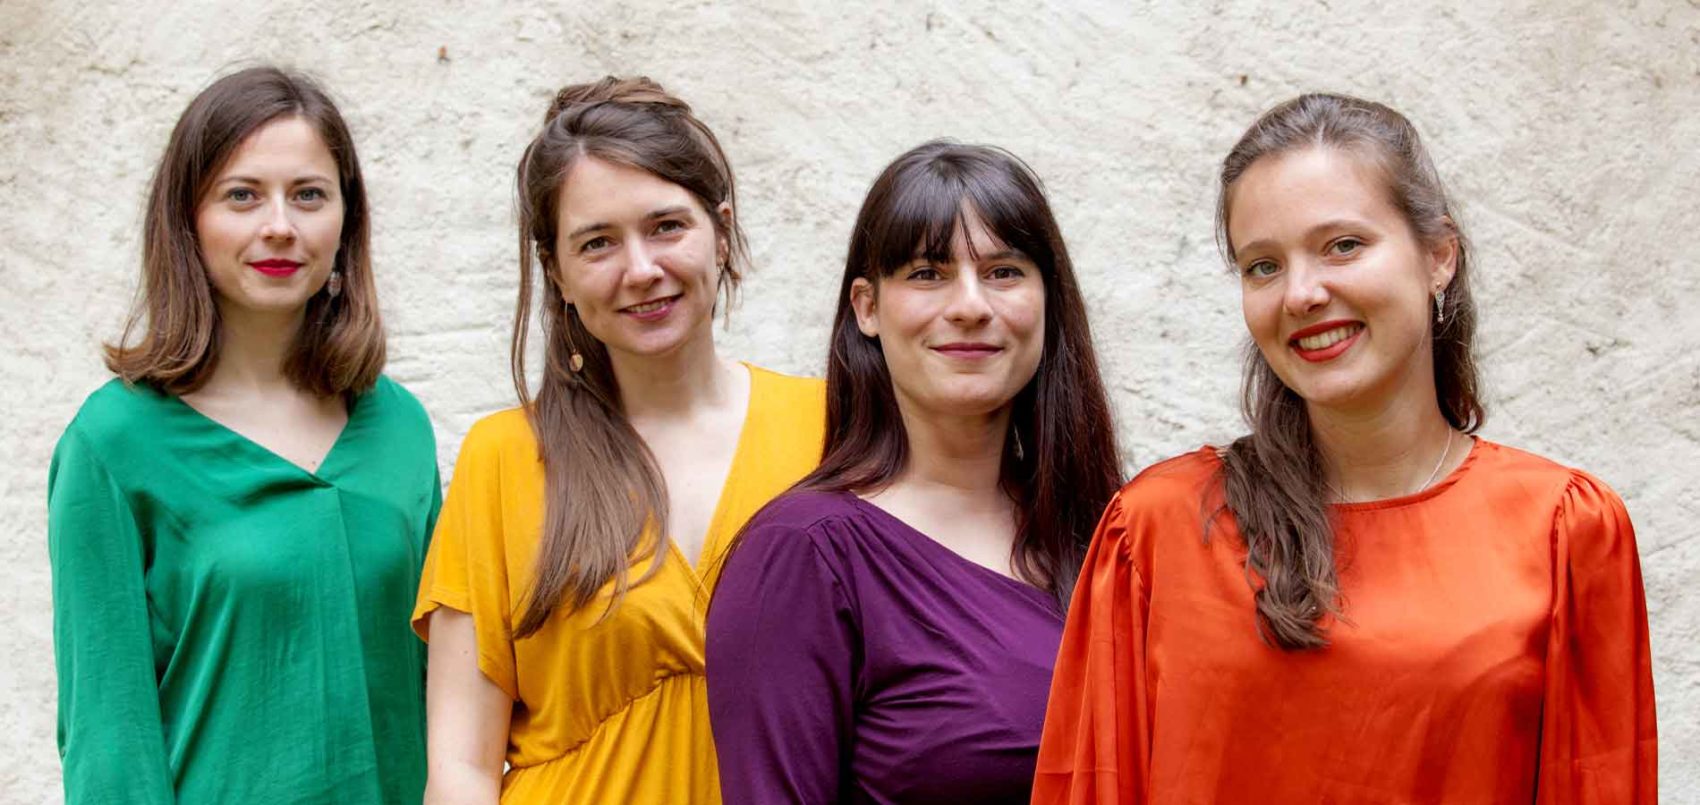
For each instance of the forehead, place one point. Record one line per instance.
(288, 145)
(599, 191)
(1285, 195)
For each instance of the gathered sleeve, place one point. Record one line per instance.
(783, 646)
(111, 734)
(1096, 743)
(466, 567)
(1598, 739)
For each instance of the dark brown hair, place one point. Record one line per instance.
(340, 347)
(1068, 468)
(1273, 478)
(601, 483)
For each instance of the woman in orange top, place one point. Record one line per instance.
(1359, 601)
(567, 584)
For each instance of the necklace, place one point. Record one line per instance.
(1341, 496)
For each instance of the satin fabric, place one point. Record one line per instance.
(1492, 648)
(229, 627)
(609, 707)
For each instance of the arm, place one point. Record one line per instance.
(783, 643)
(1598, 739)
(467, 716)
(111, 735)
(1096, 743)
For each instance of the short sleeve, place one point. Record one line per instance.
(1598, 739)
(466, 565)
(111, 734)
(1096, 742)
(782, 648)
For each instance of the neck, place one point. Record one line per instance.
(673, 384)
(252, 349)
(1393, 451)
(960, 454)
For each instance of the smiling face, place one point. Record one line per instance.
(961, 337)
(270, 223)
(1336, 288)
(637, 256)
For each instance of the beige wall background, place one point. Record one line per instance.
(1567, 130)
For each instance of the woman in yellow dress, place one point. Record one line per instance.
(565, 593)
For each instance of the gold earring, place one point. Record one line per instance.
(1440, 306)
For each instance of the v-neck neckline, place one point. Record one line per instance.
(319, 475)
(918, 537)
(707, 556)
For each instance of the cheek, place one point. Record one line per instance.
(1261, 308)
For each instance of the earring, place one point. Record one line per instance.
(576, 361)
(1020, 454)
(333, 288)
(1440, 306)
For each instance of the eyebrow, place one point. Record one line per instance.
(664, 212)
(311, 177)
(1337, 223)
(1001, 254)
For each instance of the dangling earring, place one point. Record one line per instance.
(1020, 454)
(333, 288)
(1440, 306)
(575, 360)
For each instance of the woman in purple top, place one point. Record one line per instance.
(885, 631)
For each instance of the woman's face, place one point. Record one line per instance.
(638, 257)
(270, 223)
(961, 337)
(1336, 288)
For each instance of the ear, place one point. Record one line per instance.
(1443, 256)
(723, 244)
(551, 272)
(863, 300)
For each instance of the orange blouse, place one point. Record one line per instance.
(1492, 648)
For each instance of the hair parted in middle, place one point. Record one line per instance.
(1069, 469)
(592, 456)
(1273, 480)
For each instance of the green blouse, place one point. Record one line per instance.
(229, 627)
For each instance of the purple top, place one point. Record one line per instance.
(853, 659)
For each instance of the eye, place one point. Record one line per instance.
(1006, 273)
(240, 195)
(312, 194)
(594, 244)
(1261, 269)
(923, 273)
(1345, 246)
(670, 225)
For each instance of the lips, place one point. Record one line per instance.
(968, 350)
(275, 268)
(1325, 341)
(652, 310)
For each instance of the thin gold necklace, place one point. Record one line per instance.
(1426, 484)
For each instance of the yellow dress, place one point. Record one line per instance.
(616, 711)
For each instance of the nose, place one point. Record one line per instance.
(278, 225)
(643, 265)
(1306, 290)
(968, 305)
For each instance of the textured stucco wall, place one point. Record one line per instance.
(1567, 130)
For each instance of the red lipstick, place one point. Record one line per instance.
(1332, 350)
(276, 268)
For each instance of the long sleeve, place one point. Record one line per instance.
(1598, 738)
(111, 737)
(782, 649)
(1096, 743)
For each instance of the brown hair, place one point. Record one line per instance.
(601, 483)
(1068, 468)
(1273, 478)
(340, 347)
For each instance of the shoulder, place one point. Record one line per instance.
(787, 387)
(118, 417)
(1174, 484)
(802, 510)
(1519, 474)
(502, 436)
(396, 405)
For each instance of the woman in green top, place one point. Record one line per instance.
(237, 523)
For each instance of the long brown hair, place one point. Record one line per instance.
(1272, 479)
(340, 347)
(1067, 469)
(601, 483)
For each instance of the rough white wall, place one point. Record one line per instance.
(1568, 132)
